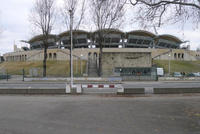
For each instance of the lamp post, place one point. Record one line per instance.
(71, 53)
(81, 63)
(169, 70)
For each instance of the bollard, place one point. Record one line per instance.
(23, 73)
(120, 89)
(68, 89)
(7, 75)
(78, 89)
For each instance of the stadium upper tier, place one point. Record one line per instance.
(37, 42)
(111, 38)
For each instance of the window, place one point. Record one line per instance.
(54, 56)
(182, 56)
(50, 56)
(133, 71)
(175, 55)
(107, 40)
(146, 42)
(66, 42)
(115, 40)
(82, 41)
(179, 55)
(139, 41)
(132, 41)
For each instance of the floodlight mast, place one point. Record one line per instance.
(71, 48)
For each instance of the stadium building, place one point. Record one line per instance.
(125, 52)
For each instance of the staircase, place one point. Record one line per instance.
(92, 68)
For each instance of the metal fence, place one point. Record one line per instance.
(137, 73)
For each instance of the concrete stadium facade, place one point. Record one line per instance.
(86, 46)
(128, 55)
(112, 38)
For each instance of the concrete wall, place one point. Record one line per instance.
(175, 54)
(63, 54)
(110, 60)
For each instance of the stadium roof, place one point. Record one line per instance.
(109, 31)
(67, 33)
(40, 37)
(170, 37)
(141, 33)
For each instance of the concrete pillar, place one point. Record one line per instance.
(18, 58)
(81, 66)
(22, 57)
(76, 65)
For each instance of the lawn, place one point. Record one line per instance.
(54, 68)
(178, 66)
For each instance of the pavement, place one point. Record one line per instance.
(161, 84)
(99, 114)
(157, 84)
(130, 87)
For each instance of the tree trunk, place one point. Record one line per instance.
(45, 62)
(70, 63)
(100, 53)
(100, 62)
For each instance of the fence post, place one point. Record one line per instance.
(23, 73)
(77, 65)
(7, 75)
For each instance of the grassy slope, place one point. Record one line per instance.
(54, 68)
(61, 68)
(179, 66)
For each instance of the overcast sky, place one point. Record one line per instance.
(14, 22)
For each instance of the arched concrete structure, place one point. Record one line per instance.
(168, 41)
(139, 39)
(80, 39)
(37, 42)
(112, 38)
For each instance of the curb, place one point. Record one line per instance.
(32, 91)
(151, 90)
(120, 90)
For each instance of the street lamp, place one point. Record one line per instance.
(169, 62)
(81, 63)
(71, 53)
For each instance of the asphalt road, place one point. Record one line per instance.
(125, 84)
(166, 84)
(99, 115)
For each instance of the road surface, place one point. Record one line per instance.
(90, 114)
(125, 84)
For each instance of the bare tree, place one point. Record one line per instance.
(1, 30)
(159, 12)
(43, 17)
(77, 12)
(107, 14)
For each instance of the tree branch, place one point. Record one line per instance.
(175, 2)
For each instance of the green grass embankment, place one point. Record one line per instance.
(178, 66)
(54, 68)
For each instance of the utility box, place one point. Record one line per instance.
(160, 72)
